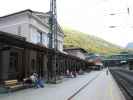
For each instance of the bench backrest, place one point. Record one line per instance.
(11, 82)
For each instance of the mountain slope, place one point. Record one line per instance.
(90, 43)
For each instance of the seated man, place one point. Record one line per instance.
(34, 79)
(40, 83)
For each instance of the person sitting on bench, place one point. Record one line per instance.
(40, 83)
(34, 79)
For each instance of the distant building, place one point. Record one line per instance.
(78, 52)
(34, 26)
(92, 57)
(121, 59)
(95, 58)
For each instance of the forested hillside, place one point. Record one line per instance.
(90, 43)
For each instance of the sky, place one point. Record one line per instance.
(89, 16)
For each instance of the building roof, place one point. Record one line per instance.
(27, 10)
(47, 14)
(74, 48)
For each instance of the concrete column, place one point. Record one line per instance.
(5, 64)
(45, 67)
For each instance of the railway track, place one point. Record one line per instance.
(125, 82)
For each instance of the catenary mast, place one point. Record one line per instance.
(53, 43)
(53, 25)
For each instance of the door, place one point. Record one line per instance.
(13, 64)
(40, 64)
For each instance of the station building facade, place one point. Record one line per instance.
(19, 59)
(33, 28)
(78, 52)
(32, 25)
(24, 41)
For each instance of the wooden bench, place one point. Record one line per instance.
(13, 85)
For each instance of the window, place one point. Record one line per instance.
(19, 30)
(60, 45)
(40, 37)
(34, 37)
(45, 39)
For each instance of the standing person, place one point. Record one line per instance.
(71, 74)
(67, 73)
(74, 74)
(107, 71)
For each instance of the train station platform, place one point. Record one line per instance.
(103, 88)
(95, 85)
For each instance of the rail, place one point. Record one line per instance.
(124, 80)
